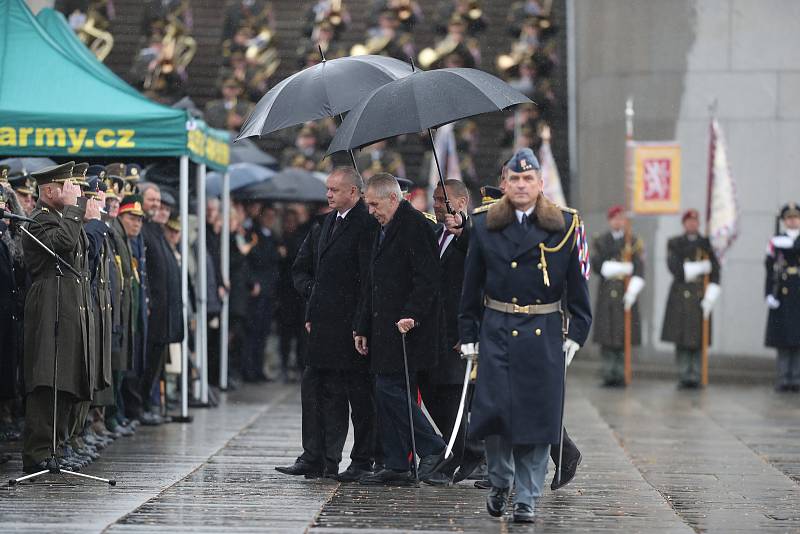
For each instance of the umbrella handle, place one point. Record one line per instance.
(450, 209)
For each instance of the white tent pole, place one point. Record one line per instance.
(225, 245)
(202, 284)
(184, 208)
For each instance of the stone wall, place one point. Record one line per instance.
(674, 58)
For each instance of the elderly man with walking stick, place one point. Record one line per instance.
(526, 257)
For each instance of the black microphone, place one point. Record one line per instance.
(8, 215)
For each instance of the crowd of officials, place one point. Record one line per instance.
(121, 321)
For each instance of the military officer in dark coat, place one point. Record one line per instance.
(615, 257)
(60, 221)
(526, 254)
(328, 272)
(783, 299)
(690, 258)
(401, 297)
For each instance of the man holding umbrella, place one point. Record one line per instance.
(526, 255)
(398, 327)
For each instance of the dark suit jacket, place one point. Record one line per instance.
(165, 321)
(451, 367)
(403, 283)
(328, 272)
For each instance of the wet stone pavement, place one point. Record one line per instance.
(655, 460)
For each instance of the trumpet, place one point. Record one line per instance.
(100, 42)
(429, 56)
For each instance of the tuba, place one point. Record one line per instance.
(99, 41)
(177, 51)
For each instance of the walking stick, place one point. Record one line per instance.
(410, 413)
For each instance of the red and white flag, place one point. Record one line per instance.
(722, 209)
(550, 175)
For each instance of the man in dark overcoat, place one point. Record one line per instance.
(783, 299)
(526, 254)
(328, 272)
(690, 258)
(616, 257)
(59, 224)
(401, 297)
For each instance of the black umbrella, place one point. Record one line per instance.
(424, 100)
(289, 185)
(26, 165)
(246, 151)
(327, 89)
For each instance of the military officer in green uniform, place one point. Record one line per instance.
(690, 258)
(783, 299)
(59, 224)
(615, 257)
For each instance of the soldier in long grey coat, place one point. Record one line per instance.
(783, 299)
(690, 258)
(613, 263)
(59, 224)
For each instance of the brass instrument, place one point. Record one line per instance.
(430, 56)
(474, 12)
(335, 13)
(99, 41)
(374, 45)
(177, 50)
(404, 10)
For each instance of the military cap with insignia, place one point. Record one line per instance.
(23, 184)
(131, 204)
(133, 172)
(54, 174)
(94, 186)
(174, 223)
(79, 175)
(4, 173)
(790, 210)
(115, 169)
(490, 193)
(405, 184)
(523, 160)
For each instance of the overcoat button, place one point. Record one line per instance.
(539, 266)
(514, 333)
(785, 290)
(614, 293)
(513, 300)
(687, 294)
(513, 265)
(538, 331)
(538, 301)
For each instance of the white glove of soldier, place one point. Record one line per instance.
(570, 348)
(692, 270)
(782, 241)
(773, 303)
(635, 286)
(709, 299)
(469, 351)
(612, 269)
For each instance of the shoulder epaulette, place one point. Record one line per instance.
(568, 210)
(484, 207)
(430, 216)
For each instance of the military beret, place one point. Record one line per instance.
(615, 210)
(131, 204)
(790, 210)
(523, 160)
(490, 193)
(691, 213)
(22, 184)
(174, 223)
(167, 199)
(53, 173)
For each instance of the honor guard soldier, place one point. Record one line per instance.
(59, 224)
(526, 254)
(616, 255)
(783, 299)
(690, 258)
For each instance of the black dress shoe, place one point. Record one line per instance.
(523, 513)
(483, 484)
(387, 477)
(437, 479)
(353, 473)
(468, 466)
(569, 466)
(300, 468)
(497, 501)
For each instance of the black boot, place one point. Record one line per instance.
(497, 501)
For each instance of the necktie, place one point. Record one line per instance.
(442, 241)
(336, 224)
(382, 236)
(524, 221)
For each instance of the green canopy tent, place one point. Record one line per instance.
(57, 101)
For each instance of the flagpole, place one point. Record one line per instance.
(628, 250)
(706, 334)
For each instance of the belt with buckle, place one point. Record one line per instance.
(793, 270)
(530, 309)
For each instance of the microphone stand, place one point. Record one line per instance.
(52, 464)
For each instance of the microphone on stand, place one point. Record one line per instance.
(11, 216)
